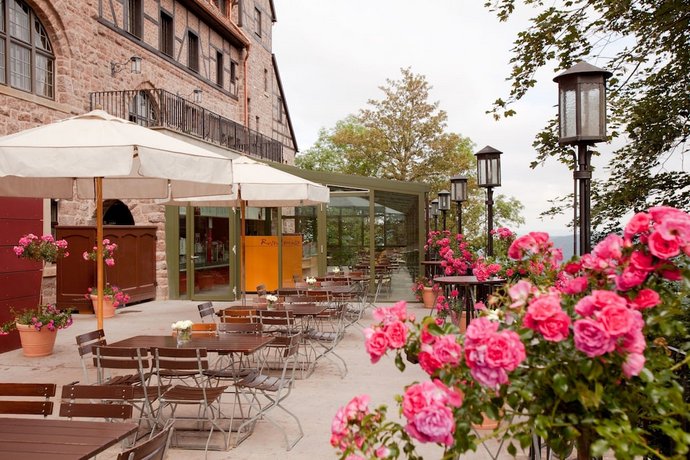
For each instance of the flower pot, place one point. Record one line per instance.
(429, 297)
(36, 343)
(459, 319)
(108, 307)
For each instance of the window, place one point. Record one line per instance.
(233, 77)
(265, 80)
(192, 51)
(279, 109)
(167, 34)
(222, 6)
(26, 55)
(219, 68)
(257, 22)
(134, 15)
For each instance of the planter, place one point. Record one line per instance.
(183, 336)
(429, 297)
(36, 343)
(108, 307)
(459, 319)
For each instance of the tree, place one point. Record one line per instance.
(403, 137)
(645, 43)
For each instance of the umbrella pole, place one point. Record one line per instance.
(99, 250)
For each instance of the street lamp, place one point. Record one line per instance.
(489, 176)
(582, 121)
(434, 213)
(458, 193)
(444, 204)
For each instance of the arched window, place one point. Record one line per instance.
(141, 109)
(27, 61)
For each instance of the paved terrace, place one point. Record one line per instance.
(315, 399)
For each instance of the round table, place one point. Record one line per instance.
(468, 286)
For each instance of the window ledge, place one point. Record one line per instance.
(29, 97)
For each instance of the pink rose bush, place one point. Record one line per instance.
(576, 353)
(453, 251)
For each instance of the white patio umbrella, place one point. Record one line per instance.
(257, 184)
(99, 156)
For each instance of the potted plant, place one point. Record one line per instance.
(182, 330)
(426, 291)
(38, 328)
(578, 356)
(44, 249)
(113, 297)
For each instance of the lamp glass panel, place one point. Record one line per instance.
(481, 172)
(568, 113)
(590, 102)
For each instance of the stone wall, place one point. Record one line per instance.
(87, 36)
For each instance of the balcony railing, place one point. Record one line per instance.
(160, 108)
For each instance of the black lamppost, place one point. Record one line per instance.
(458, 194)
(434, 213)
(582, 121)
(489, 176)
(444, 204)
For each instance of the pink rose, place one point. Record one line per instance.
(630, 278)
(432, 424)
(661, 247)
(556, 328)
(479, 328)
(392, 314)
(541, 308)
(642, 261)
(521, 245)
(617, 320)
(376, 343)
(447, 350)
(638, 224)
(609, 248)
(633, 342)
(671, 274)
(489, 377)
(396, 333)
(646, 298)
(519, 292)
(421, 395)
(591, 338)
(428, 361)
(574, 286)
(597, 301)
(634, 363)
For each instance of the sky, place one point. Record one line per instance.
(334, 55)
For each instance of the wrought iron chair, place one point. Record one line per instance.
(207, 312)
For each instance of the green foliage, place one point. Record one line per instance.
(645, 44)
(404, 137)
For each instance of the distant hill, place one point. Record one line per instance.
(565, 243)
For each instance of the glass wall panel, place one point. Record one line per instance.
(396, 229)
(348, 230)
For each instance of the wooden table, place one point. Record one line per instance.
(47, 438)
(298, 309)
(468, 285)
(221, 343)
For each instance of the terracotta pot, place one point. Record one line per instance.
(459, 319)
(108, 307)
(36, 343)
(429, 297)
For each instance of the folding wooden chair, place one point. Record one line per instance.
(42, 406)
(205, 397)
(110, 360)
(153, 448)
(85, 344)
(264, 392)
(79, 401)
(207, 312)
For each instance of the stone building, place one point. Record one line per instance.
(198, 68)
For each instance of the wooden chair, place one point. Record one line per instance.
(206, 398)
(153, 448)
(113, 401)
(85, 344)
(264, 392)
(204, 329)
(207, 312)
(239, 315)
(43, 407)
(110, 360)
